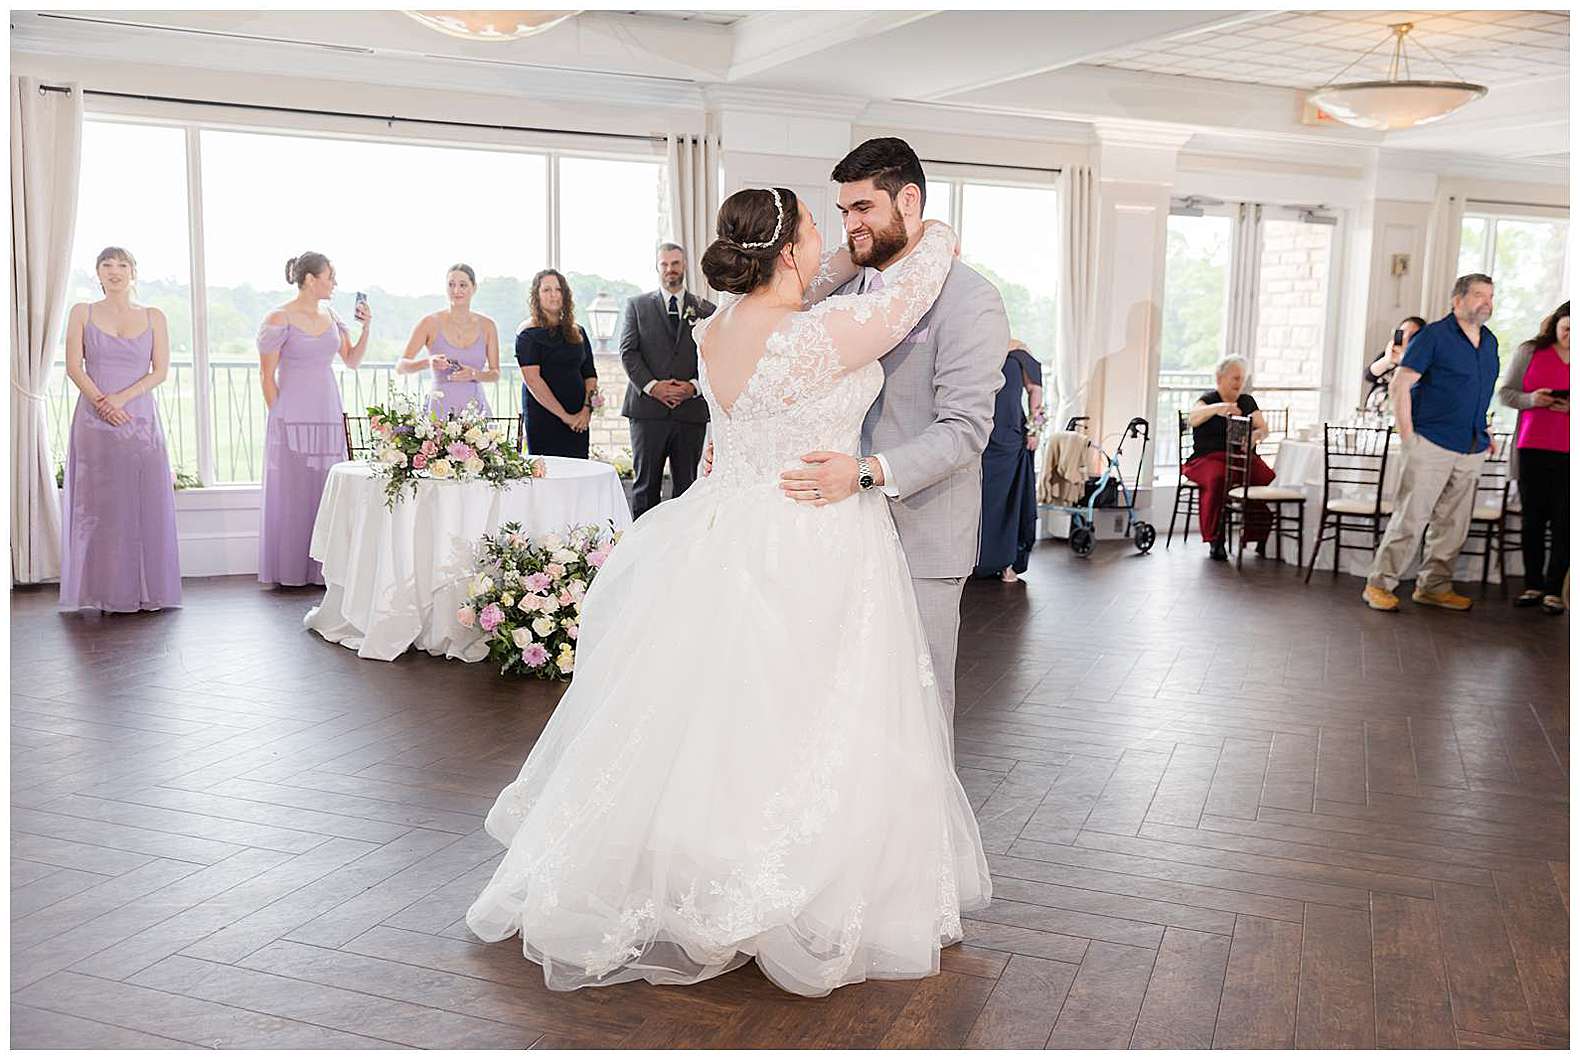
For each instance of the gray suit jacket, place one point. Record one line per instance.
(932, 420)
(650, 349)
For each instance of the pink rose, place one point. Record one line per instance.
(573, 631)
(535, 655)
(429, 448)
(538, 582)
(460, 451)
(492, 616)
(598, 555)
(554, 570)
(419, 461)
(467, 617)
(540, 468)
(566, 599)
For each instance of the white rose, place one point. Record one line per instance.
(452, 429)
(567, 660)
(473, 436)
(578, 589)
(543, 626)
(441, 469)
(521, 636)
(549, 605)
(481, 584)
(567, 623)
(551, 541)
(507, 601)
(474, 466)
(564, 555)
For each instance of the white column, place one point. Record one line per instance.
(1136, 166)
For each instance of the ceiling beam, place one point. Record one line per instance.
(771, 39)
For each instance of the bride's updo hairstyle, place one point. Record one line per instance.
(751, 233)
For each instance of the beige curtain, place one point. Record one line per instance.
(1077, 245)
(46, 149)
(1442, 255)
(693, 199)
(1245, 282)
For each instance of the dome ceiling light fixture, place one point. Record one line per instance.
(491, 25)
(1397, 102)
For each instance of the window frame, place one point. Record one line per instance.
(193, 120)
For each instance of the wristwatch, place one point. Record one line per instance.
(864, 477)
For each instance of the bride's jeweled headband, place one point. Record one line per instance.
(778, 225)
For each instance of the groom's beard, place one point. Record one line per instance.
(885, 245)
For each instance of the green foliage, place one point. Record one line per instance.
(1193, 304)
(1033, 318)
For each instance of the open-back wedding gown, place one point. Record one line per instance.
(751, 761)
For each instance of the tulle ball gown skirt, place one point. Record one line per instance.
(751, 763)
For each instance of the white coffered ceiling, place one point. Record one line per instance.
(1216, 73)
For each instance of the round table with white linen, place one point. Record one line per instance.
(1299, 466)
(395, 578)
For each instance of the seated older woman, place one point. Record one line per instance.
(1207, 467)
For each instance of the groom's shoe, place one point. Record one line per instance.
(1218, 552)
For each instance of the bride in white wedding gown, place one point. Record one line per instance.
(752, 761)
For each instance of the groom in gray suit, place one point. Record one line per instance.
(925, 434)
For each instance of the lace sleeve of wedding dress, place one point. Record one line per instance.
(833, 272)
(845, 332)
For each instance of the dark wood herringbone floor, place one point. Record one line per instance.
(1221, 809)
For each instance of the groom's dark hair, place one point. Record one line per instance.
(888, 162)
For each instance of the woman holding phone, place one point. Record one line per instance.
(1537, 383)
(463, 349)
(305, 436)
(1379, 373)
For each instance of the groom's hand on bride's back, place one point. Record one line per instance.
(827, 479)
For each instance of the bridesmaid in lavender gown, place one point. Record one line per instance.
(118, 529)
(305, 436)
(463, 349)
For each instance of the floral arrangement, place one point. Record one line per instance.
(595, 399)
(623, 462)
(526, 596)
(413, 443)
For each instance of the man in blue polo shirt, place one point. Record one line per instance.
(1440, 397)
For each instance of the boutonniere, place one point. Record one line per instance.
(690, 315)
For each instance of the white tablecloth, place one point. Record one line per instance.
(1299, 466)
(396, 578)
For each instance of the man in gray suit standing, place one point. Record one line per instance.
(669, 418)
(924, 436)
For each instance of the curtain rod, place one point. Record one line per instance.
(1509, 202)
(991, 165)
(353, 114)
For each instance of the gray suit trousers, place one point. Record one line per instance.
(938, 600)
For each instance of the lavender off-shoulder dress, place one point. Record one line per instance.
(305, 438)
(448, 398)
(118, 528)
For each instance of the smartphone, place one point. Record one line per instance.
(1560, 394)
(1398, 334)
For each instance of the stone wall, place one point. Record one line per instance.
(1293, 309)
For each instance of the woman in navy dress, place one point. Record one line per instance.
(1009, 476)
(557, 372)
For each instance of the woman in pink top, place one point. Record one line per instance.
(1537, 383)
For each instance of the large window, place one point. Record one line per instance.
(1008, 233)
(1525, 256)
(392, 216)
(1271, 305)
(133, 195)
